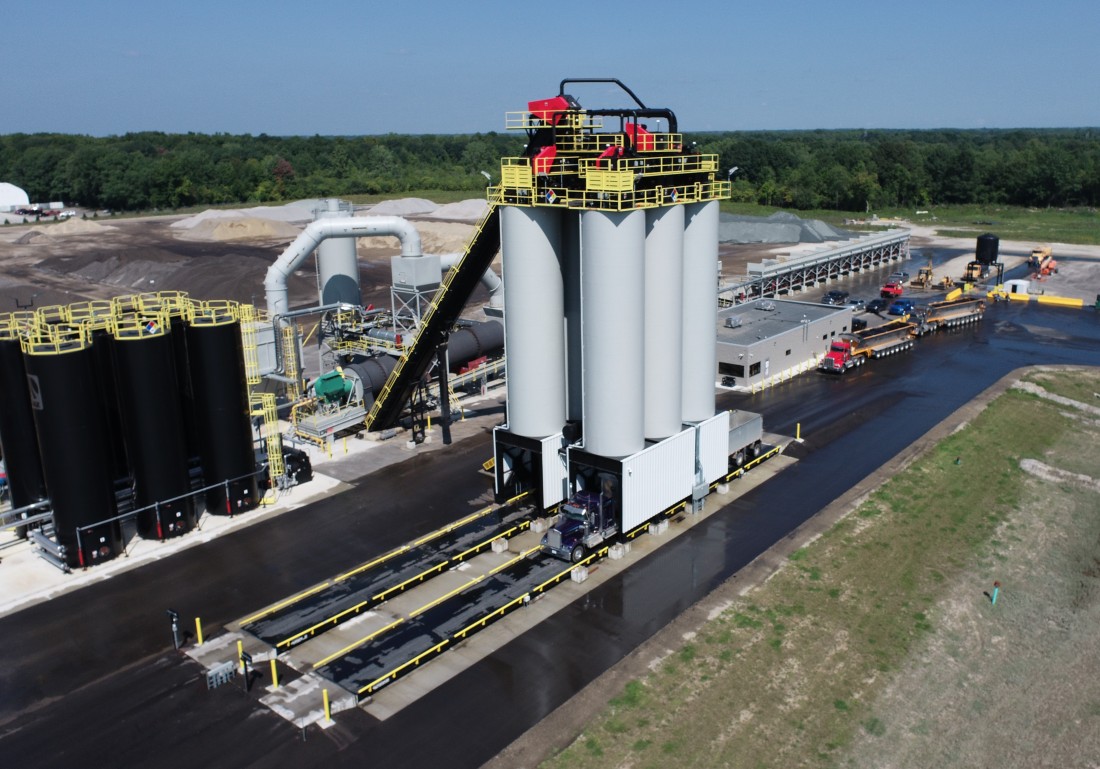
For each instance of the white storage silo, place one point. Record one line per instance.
(612, 288)
(534, 338)
(664, 296)
(700, 356)
(571, 271)
(337, 261)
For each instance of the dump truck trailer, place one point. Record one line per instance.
(851, 350)
(946, 314)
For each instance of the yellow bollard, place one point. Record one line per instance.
(429, 422)
(240, 654)
(198, 631)
(274, 675)
(798, 432)
(328, 713)
(345, 445)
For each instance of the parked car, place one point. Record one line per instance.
(857, 305)
(877, 305)
(898, 277)
(901, 307)
(836, 296)
(858, 324)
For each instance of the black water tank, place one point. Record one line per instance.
(73, 435)
(18, 440)
(216, 357)
(986, 249)
(152, 418)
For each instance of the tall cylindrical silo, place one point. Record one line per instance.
(612, 293)
(700, 356)
(96, 317)
(73, 431)
(152, 418)
(571, 273)
(534, 338)
(664, 297)
(216, 357)
(26, 482)
(337, 261)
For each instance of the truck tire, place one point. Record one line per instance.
(754, 450)
(577, 555)
(738, 459)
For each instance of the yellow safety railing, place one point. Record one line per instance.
(356, 644)
(414, 662)
(248, 318)
(290, 362)
(263, 405)
(55, 339)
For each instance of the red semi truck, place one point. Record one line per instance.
(852, 350)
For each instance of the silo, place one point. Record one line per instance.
(571, 274)
(986, 249)
(96, 316)
(534, 338)
(72, 430)
(152, 418)
(26, 482)
(337, 261)
(216, 357)
(176, 307)
(700, 356)
(612, 292)
(664, 297)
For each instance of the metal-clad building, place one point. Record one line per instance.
(769, 338)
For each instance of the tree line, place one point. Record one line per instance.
(845, 170)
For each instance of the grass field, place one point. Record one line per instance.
(876, 644)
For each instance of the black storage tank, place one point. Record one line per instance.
(153, 426)
(67, 402)
(96, 317)
(986, 249)
(18, 440)
(215, 354)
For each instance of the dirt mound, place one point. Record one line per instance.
(463, 211)
(225, 229)
(435, 238)
(65, 229)
(403, 207)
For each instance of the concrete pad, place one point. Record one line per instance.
(302, 701)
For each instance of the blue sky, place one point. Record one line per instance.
(114, 66)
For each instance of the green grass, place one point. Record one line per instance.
(814, 645)
(1041, 225)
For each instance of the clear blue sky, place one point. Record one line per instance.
(401, 66)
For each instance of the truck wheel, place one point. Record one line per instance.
(754, 450)
(578, 554)
(739, 459)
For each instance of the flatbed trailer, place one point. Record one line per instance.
(852, 350)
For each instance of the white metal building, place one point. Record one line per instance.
(12, 197)
(766, 340)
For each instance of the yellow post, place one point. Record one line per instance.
(798, 432)
(274, 675)
(328, 713)
(345, 445)
(240, 654)
(198, 631)
(429, 422)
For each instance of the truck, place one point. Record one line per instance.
(1042, 261)
(852, 350)
(587, 520)
(591, 518)
(974, 272)
(892, 290)
(953, 312)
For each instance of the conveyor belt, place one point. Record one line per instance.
(447, 305)
(325, 606)
(402, 646)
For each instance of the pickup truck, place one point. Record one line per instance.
(892, 290)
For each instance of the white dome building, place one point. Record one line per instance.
(12, 197)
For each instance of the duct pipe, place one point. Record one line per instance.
(322, 229)
(489, 279)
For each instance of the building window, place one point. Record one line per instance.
(731, 369)
(824, 336)
(788, 352)
(754, 369)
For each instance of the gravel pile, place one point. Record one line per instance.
(780, 227)
(403, 207)
(463, 211)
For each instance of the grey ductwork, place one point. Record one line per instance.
(275, 284)
(492, 282)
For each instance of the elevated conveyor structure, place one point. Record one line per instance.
(441, 315)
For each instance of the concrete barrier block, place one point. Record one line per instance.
(500, 545)
(579, 574)
(658, 527)
(616, 552)
(539, 525)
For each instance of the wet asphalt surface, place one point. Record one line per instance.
(91, 676)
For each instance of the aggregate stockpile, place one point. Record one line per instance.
(852, 350)
(947, 314)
